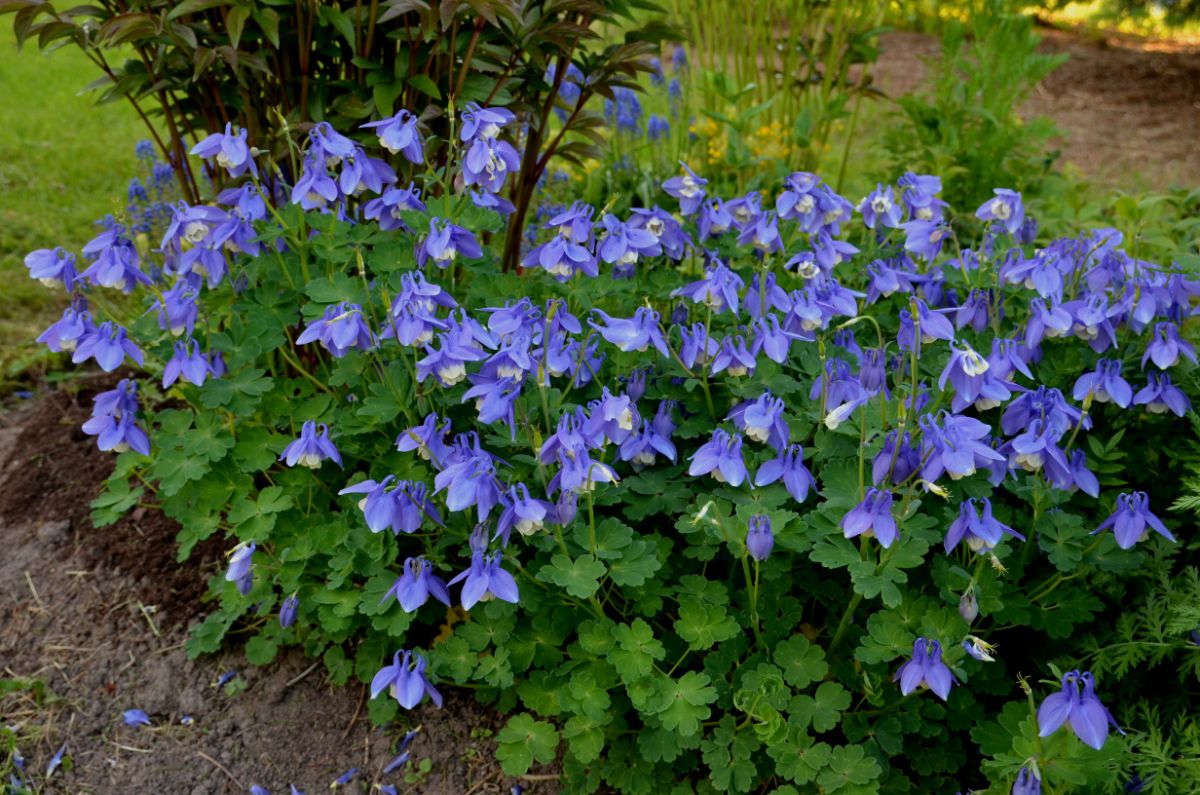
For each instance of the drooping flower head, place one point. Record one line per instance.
(925, 669)
(311, 448)
(405, 680)
(1132, 520)
(1082, 713)
(759, 538)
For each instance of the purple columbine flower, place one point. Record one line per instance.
(718, 290)
(1082, 714)
(287, 611)
(982, 533)
(978, 648)
(428, 439)
(643, 447)
(770, 338)
(405, 680)
(1104, 384)
(66, 333)
(399, 134)
(689, 189)
(637, 333)
(389, 207)
(445, 242)
(378, 506)
(488, 162)
(763, 235)
(341, 328)
(109, 345)
(898, 459)
(789, 467)
(114, 420)
(734, 357)
(1167, 346)
(485, 580)
(1027, 783)
(879, 208)
(449, 362)
(1006, 209)
(187, 361)
(759, 539)
(624, 243)
(932, 324)
(414, 587)
(1132, 520)
(522, 512)
(762, 420)
(230, 150)
(697, 345)
(470, 481)
(52, 266)
(311, 448)
(135, 717)
(1160, 396)
(721, 457)
(483, 122)
(955, 447)
(925, 238)
(965, 371)
(715, 219)
(925, 670)
(240, 570)
(872, 517)
(177, 309)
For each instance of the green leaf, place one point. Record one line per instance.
(821, 710)
(261, 649)
(849, 764)
(235, 21)
(523, 740)
(194, 6)
(835, 552)
(114, 502)
(802, 662)
(637, 563)
(240, 391)
(580, 577)
(425, 85)
(701, 626)
(683, 703)
(585, 738)
(637, 650)
(798, 759)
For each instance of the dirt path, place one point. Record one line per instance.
(1129, 108)
(99, 617)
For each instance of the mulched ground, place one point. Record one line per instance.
(1129, 108)
(99, 615)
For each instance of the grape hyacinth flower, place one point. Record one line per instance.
(240, 571)
(925, 670)
(485, 580)
(113, 421)
(311, 448)
(1006, 209)
(721, 457)
(1083, 714)
(416, 584)
(405, 680)
(231, 151)
(1160, 396)
(339, 330)
(872, 517)
(1132, 520)
(398, 134)
(759, 539)
(52, 267)
(689, 189)
(982, 533)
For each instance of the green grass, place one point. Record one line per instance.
(64, 162)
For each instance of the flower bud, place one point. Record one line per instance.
(287, 612)
(759, 539)
(968, 606)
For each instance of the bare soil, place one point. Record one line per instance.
(1128, 108)
(100, 615)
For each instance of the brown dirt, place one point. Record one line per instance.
(1129, 108)
(100, 615)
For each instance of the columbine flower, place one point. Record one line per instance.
(1160, 396)
(979, 649)
(399, 134)
(734, 357)
(968, 606)
(879, 208)
(623, 243)
(65, 333)
(427, 439)
(406, 681)
(788, 466)
(340, 329)
(311, 448)
(689, 189)
(522, 512)
(414, 587)
(982, 533)
(637, 333)
(231, 151)
(1104, 384)
(718, 290)
(956, 447)
(483, 122)
(1006, 208)
(1027, 783)
(900, 462)
(771, 339)
(114, 421)
(187, 361)
(109, 345)
(445, 242)
(1167, 346)
(1132, 520)
(135, 717)
(762, 420)
(925, 238)
(52, 267)
(389, 207)
(488, 162)
(485, 580)
(759, 539)
(925, 669)
(721, 457)
(177, 309)
(763, 235)
(287, 611)
(240, 571)
(1082, 714)
(965, 371)
(872, 517)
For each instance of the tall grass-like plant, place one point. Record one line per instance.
(804, 64)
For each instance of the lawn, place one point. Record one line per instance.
(64, 162)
